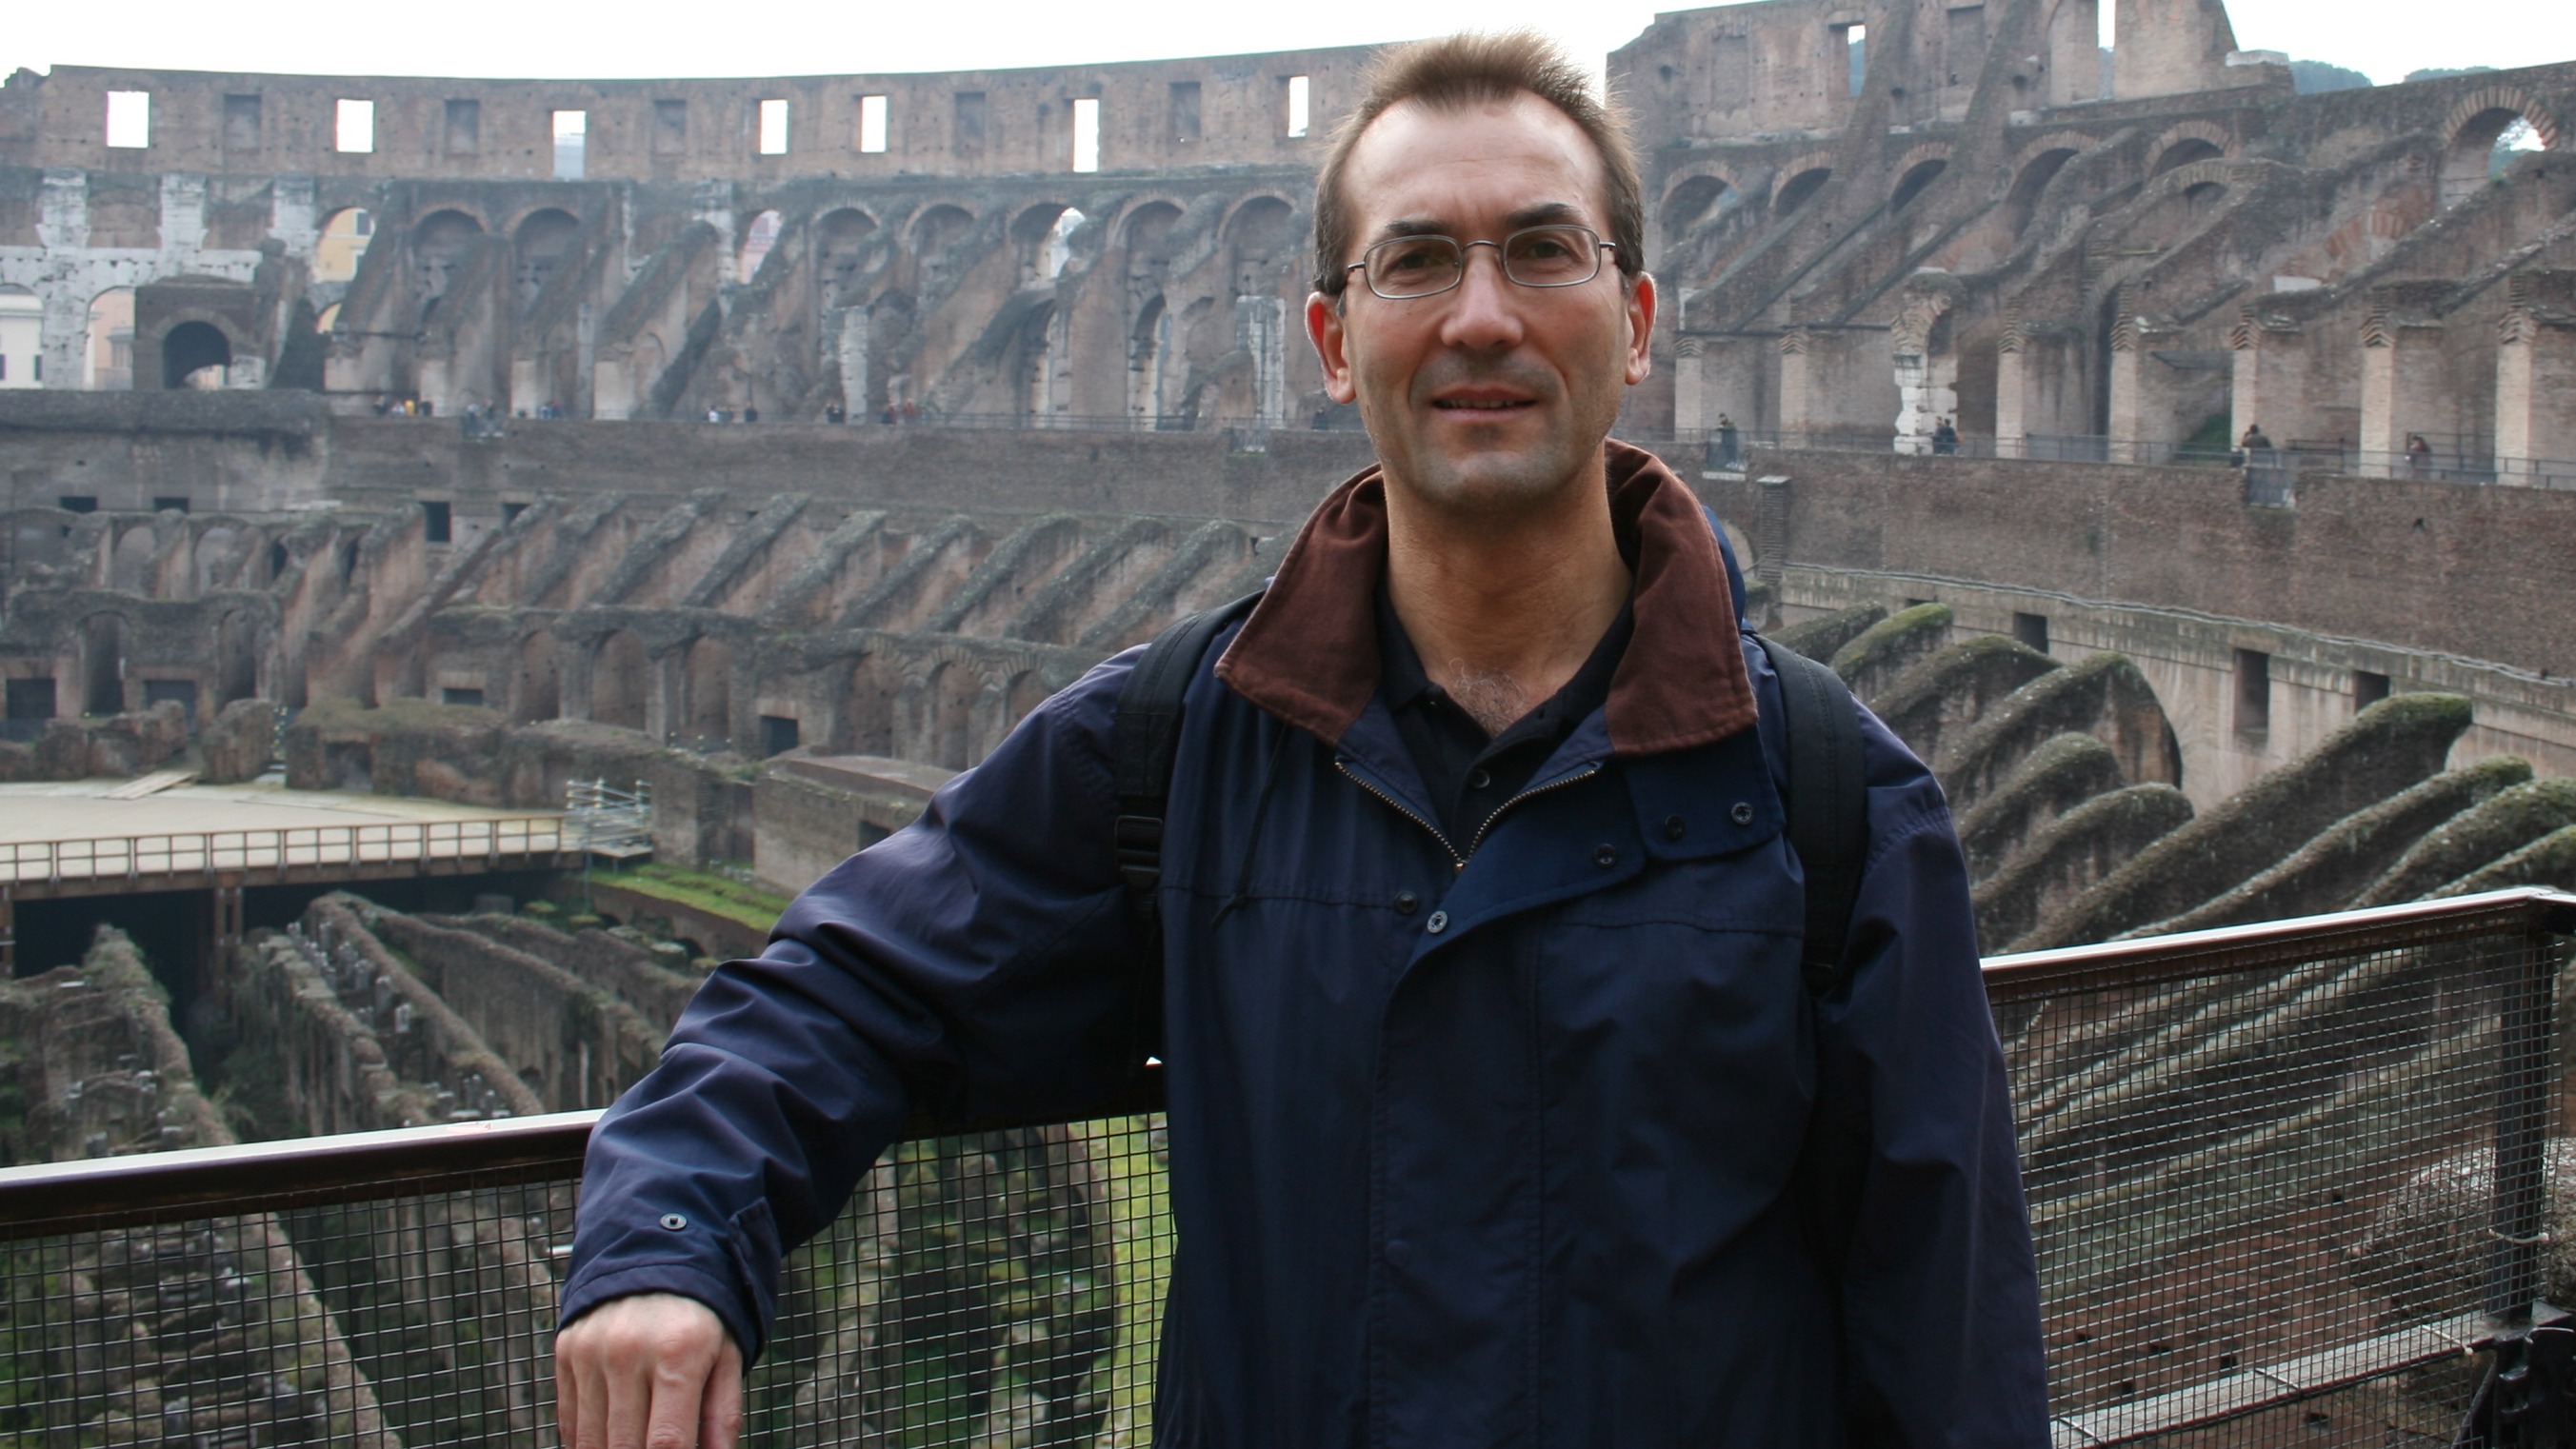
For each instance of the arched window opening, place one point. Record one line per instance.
(1913, 182)
(344, 240)
(757, 242)
(2184, 152)
(1800, 188)
(195, 355)
(546, 244)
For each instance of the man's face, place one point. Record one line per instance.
(1490, 397)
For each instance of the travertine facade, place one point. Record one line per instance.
(1867, 218)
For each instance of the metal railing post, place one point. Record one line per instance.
(2519, 1209)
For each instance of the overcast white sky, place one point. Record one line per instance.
(2382, 38)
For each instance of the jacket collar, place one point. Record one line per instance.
(1309, 652)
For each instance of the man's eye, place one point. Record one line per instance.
(1411, 259)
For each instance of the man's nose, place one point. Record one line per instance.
(1485, 310)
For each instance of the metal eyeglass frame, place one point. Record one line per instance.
(1502, 259)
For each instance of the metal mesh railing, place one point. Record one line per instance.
(283, 848)
(2282, 1179)
(2276, 1165)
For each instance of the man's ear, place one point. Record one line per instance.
(1325, 324)
(1641, 327)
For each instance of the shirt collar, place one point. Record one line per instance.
(1310, 653)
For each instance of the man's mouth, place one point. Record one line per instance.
(1482, 404)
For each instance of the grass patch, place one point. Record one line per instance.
(704, 890)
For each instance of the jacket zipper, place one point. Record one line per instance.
(1586, 773)
(1460, 861)
(1407, 811)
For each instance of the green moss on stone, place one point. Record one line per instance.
(2465, 846)
(1874, 658)
(706, 891)
(1821, 638)
(2050, 781)
(2548, 861)
(1954, 688)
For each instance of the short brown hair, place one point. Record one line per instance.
(1462, 70)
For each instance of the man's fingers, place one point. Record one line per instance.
(637, 1373)
(720, 1415)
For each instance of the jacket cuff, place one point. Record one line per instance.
(688, 1280)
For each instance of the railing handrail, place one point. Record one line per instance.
(102, 1192)
(499, 834)
(2548, 909)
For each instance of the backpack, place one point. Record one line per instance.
(1827, 798)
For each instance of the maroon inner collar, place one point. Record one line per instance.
(1309, 653)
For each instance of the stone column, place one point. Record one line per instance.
(1796, 390)
(1689, 389)
(2269, 382)
(2535, 378)
(2402, 382)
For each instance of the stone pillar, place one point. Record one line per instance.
(1689, 388)
(2535, 380)
(2012, 397)
(62, 225)
(2269, 381)
(666, 698)
(853, 355)
(1261, 329)
(2401, 379)
(1796, 387)
(2128, 385)
(291, 219)
(183, 213)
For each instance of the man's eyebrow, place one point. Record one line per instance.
(1543, 213)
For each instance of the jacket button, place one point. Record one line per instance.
(1742, 814)
(674, 1221)
(1438, 923)
(1406, 903)
(1673, 827)
(1605, 856)
(1398, 1252)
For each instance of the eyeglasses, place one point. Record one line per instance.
(1404, 267)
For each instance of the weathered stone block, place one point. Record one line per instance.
(236, 746)
(2049, 782)
(2082, 847)
(2327, 871)
(1880, 654)
(1819, 639)
(2482, 837)
(2388, 747)
(1953, 689)
(2105, 696)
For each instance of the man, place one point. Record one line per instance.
(1499, 1111)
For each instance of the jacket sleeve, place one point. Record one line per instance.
(979, 963)
(1940, 1293)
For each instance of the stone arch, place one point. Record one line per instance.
(1259, 233)
(438, 246)
(130, 564)
(707, 672)
(1800, 180)
(1918, 169)
(107, 352)
(933, 232)
(1923, 340)
(759, 239)
(621, 680)
(2471, 130)
(2021, 203)
(2186, 142)
(543, 243)
(236, 657)
(195, 354)
(343, 241)
(841, 242)
(102, 660)
(1149, 358)
(1144, 234)
(537, 691)
(1042, 239)
(1688, 200)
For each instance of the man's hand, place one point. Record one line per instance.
(649, 1371)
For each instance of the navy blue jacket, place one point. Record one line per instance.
(1538, 1140)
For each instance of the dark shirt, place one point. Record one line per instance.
(1470, 774)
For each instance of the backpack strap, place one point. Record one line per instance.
(1143, 744)
(1828, 804)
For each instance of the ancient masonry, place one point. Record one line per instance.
(1967, 215)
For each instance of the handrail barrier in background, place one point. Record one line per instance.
(280, 849)
(2300, 1180)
